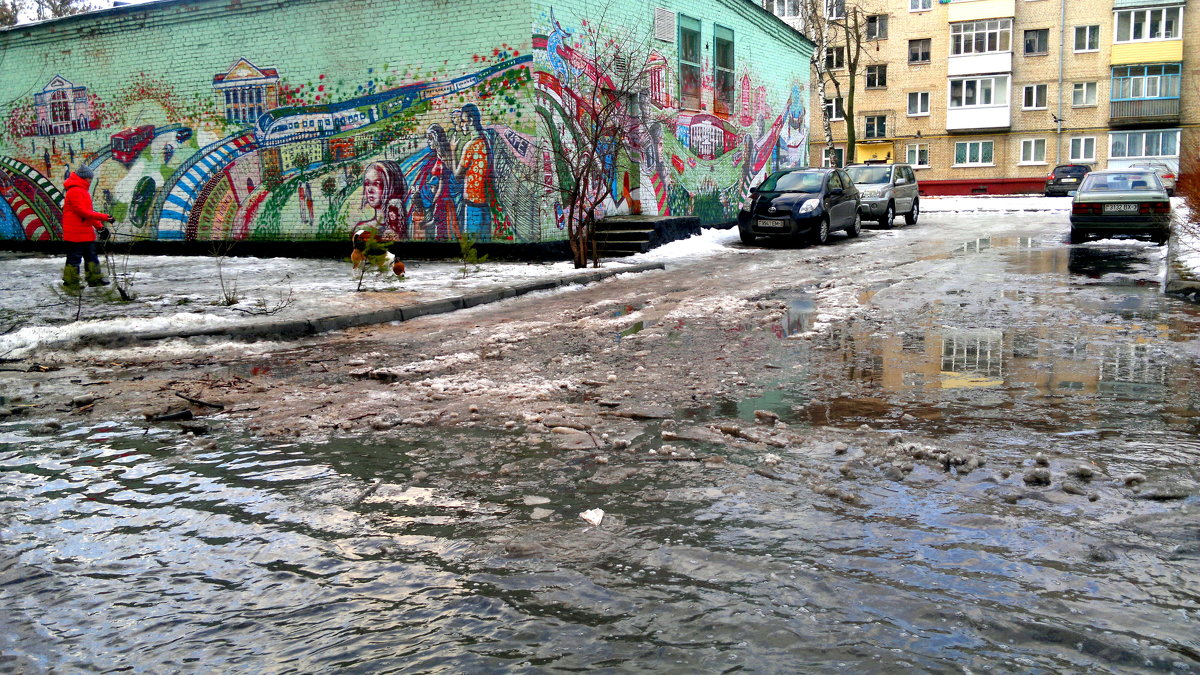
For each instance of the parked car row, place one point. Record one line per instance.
(811, 203)
(808, 204)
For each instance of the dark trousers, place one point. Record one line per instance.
(81, 250)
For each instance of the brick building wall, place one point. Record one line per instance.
(306, 120)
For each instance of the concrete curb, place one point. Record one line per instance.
(294, 328)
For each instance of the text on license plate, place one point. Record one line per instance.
(1120, 208)
(772, 224)
(1070, 180)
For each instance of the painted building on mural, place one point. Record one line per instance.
(417, 120)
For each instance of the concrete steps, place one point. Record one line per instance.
(618, 236)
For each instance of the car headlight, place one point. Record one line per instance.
(871, 193)
(747, 203)
(808, 206)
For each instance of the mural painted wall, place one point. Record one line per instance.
(211, 121)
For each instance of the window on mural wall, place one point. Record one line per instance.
(723, 86)
(689, 62)
(1140, 25)
(60, 110)
(981, 37)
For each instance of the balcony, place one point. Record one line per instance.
(979, 64)
(1143, 111)
(990, 118)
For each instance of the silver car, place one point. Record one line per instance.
(886, 190)
(1166, 175)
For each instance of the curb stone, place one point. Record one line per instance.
(293, 328)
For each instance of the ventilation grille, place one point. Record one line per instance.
(664, 24)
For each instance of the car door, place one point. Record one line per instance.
(836, 200)
(903, 190)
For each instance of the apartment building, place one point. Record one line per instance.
(986, 96)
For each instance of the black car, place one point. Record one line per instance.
(1065, 178)
(801, 203)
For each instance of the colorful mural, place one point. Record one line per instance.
(410, 152)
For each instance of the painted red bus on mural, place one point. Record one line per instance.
(128, 144)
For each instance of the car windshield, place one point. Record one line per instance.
(1120, 182)
(1069, 171)
(793, 181)
(869, 174)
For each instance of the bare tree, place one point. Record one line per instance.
(591, 118)
(819, 30)
(841, 54)
(53, 9)
(9, 9)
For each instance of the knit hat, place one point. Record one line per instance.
(84, 172)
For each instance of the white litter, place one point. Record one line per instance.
(593, 517)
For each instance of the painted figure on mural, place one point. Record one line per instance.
(383, 183)
(475, 170)
(437, 187)
(80, 225)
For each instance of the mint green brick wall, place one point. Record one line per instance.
(205, 176)
(694, 159)
(309, 119)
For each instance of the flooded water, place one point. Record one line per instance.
(129, 547)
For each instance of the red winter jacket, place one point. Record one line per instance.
(79, 221)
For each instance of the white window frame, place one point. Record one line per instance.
(836, 150)
(979, 152)
(1146, 18)
(1024, 41)
(780, 8)
(1035, 88)
(1087, 88)
(838, 110)
(833, 7)
(962, 36)
(1089, 32)
(1083, 143)
(999, 91)
(920, 5)
(1161, 133)
(1029, 151)
(918, 148)
(922, 99)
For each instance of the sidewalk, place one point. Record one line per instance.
(183, 297)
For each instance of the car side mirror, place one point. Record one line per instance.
(836, 191)
(753, 189)
(901, 181)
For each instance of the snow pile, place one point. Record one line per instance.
(1186, 253)
(999, 204)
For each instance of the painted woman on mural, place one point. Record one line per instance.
(384, 186)
(437, 188)
(475, 170)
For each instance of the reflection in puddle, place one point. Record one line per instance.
(798, 318)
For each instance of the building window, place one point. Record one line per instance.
(1083, 94)
(918, 103)
(1037, 41)
(834, 109)
(917, 154)
(877, 27)
(918, 50)
(724, 90)
(981, 37)
(689, 62)
(835, 9)
(919, 5)
(877, 76)
(876, 126)
(60, 109)
(979, 92)
(1033, 151)
(1087, 38)
(1035, 97)
(973, 153)
(1144, 144)
(835, 157)
(835, 58)
(1143, 25)
(1083, 149)
(1152, 81)
(783, 8)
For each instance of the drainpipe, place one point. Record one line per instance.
(1062, 48)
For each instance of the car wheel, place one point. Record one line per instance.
(821, 234)
(1161, 239)
(747, 235)
(910, 218)
(889, 215)
(1078, 237)
(855, 228)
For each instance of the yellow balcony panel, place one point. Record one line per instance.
(974, 10)
(866, 152)
(1166, 51)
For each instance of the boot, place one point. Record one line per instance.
(71, 279)
(94, 276)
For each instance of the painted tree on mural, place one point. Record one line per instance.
(598, 112)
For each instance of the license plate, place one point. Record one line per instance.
(1070, 180)
(772, 224)
(1120, 208)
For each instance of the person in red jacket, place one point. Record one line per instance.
(80, 222)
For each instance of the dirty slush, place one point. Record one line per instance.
(408, 497)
